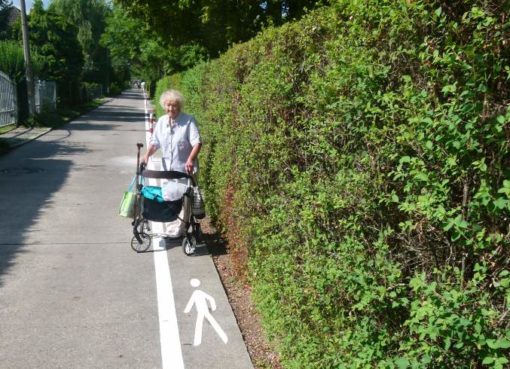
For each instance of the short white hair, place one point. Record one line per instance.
(171, 95)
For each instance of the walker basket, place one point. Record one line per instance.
(166, 211)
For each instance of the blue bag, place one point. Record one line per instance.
(153, 193)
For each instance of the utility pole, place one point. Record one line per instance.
(28, 62)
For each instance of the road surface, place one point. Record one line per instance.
(72, 292)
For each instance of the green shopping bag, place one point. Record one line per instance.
(127, 204)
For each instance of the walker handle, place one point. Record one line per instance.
(139, 145)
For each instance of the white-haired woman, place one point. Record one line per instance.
(176, 134)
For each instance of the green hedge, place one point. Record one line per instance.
(358, 163)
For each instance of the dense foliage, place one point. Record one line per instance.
(56, 40)
(90, 18)
(121, 38)
(213, 24)
(12, 61)
(4, 16)
(358, 162)
(65, 40)
(137, 50)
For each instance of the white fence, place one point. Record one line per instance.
(45, 99)
(45, 96)
(8, 101)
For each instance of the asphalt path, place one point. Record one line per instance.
(72, 292)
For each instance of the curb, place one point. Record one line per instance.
(24, 138)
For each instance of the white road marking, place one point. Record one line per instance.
(202, 301)
(171, 352)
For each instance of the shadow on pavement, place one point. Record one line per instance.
(130, 94)
(32, 174)
(29, 176)
(216, 245)
(111, 113)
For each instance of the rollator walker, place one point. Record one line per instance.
(150, 206)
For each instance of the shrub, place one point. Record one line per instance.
(358, 163)
(12, 62)
(116, 89)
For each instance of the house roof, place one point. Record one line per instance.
(13, 15)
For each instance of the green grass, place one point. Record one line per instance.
(51, 120)
(7, 128)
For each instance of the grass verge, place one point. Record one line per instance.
(51, 120)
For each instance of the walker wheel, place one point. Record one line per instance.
(142, 239)
(189, 245)
(141, 246)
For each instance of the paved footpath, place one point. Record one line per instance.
(72, 292)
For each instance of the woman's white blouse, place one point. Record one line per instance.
(176, 141)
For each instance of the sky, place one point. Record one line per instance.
(28, 3)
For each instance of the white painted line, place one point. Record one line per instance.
(171, 352)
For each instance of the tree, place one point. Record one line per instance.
(213, 24)
(136, 48)
(12, 61)
(90, 18)
(121, 39)
(132, 47)
(56, 40)
(5, 7)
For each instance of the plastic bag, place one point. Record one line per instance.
(173, 191)
(127, 204)
(197, 206)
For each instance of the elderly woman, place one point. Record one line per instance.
(176, 134)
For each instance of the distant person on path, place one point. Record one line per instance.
(176, 134)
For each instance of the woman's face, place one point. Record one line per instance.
(172, 108)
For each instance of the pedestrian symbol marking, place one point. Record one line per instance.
(202, 301)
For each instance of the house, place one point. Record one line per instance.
(13, 14)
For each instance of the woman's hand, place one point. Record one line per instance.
(189, 167)
(150, 151)
(191, 159)
(145, 159)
